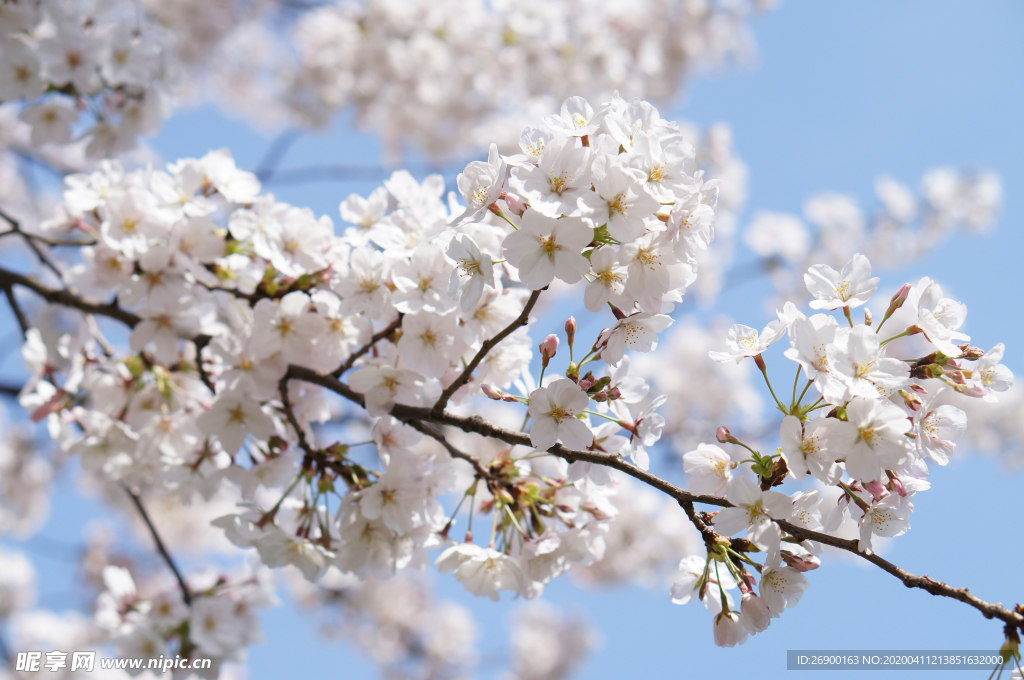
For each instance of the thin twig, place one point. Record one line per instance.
(488, 345)
(19, 314)
(377, 337)
(31, 239)
(275, 154)
(431, 432)
(66, 298)
(185, 594)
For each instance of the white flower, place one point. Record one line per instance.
(214, 627)
(729, 630)
(576, 118)
(553, 185)
(850, 288)
(710, 469)
(939, 317)
(781, 587)
(887, 517)
(394, 499)
(554, 409)
(992, 375)
(809, 340)
(383, 386)
(609, 281)
(805, 449)
(744, 341)
(855, 360)
(637, 331)
(473, 270)
(754, 511)
(619, 200)
(483, 571)
(873, 438)
(937, 427)
(430, 342)
(289, 327)
(278, 549)
(232, 417)
(544, 248)
(421, 280)
(51, 122)
(756, 614)
(480, 184)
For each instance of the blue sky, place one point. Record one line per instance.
(845, 91)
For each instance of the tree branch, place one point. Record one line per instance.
(66, 298)
(19, 314)
(377, 337)
(185, 594)
(478, 425)
(488, 345)
(426, 429)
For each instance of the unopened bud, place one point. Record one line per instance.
(917, 388)
(614, 393)
(492, 392)
(801, 562)
(515, 203)
(600, 396)
(957, 377)
(898, 299)
(896, 483)
(973, 353)
(912, 401)
(585, 384)
(867, 317)
(876, 488)
(724, 436)
(619, 314)
(548, 348)
(570, 329)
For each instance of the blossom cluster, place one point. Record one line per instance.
(218, 623)
(246, 314)
(78, 57)
(453, 76)
(885, 418)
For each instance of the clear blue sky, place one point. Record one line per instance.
(845, 91)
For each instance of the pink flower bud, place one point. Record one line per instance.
(515, 203)
(897, 485)
(548, 348)
(917, 388)
(614, 393)
(600, 396)
(492, 392)
(801, 562)
(570, 329)
(957, 377)
(912, 401)
(898, 299)
(876, 488)
(723, 435)
(585, 384)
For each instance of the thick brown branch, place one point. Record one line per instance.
(185, 594)
(59, 296)
(350, 362)
(488, 345)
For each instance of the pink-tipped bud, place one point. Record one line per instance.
(600, 396)
(897, 485)
(876, 488)
(548, 348)
(515, 203)
(898, 299)
(801, 562)
(585, 384)
(973, 353)
(971, 391)
(619, 314)
(614, 393)
(912, 401)
(724, 436)
(570, 329)
(507, 397)
(957, 377)
(917, 388)
(492, 392)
